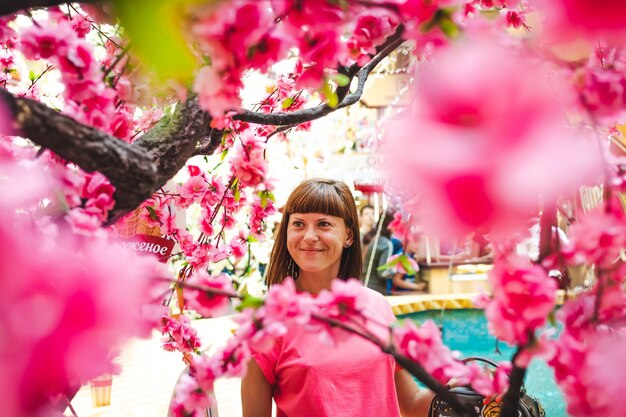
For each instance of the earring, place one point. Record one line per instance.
(347, 245)
(291, 269)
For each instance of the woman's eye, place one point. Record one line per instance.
(297, 224)
(324, 224)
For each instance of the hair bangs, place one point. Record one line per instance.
(319, 198)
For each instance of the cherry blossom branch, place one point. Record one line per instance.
(9, 7)
(511, 399)
(306, 115)
(138, 170)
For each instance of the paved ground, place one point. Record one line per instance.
(145, 385)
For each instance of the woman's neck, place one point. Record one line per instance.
(314, 283)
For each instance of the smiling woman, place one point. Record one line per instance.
(318, 241)
(332, 201)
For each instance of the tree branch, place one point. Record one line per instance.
(10, 7)
(136, 170)
(511, 399)
(306, 115)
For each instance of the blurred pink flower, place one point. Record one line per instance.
(68, 307)
(485, 139)
(208, 304)
(523, 296)
(598, 238)
(567, 19)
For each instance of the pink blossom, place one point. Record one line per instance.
(249, 164)
(239, 246)
(179, 335)
(83, 222)
(190, 400)
(45, 41)
(68, 307)
(6, 32)
(217, 93)
(523, 296)
(344, 300)
(475, 101)
(206, 303)
(192, 190)
(317, 15)
(78, 60)
(284, 305)
(569, 18)
(598, 237)
(423, 345)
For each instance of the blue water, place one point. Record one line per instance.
(466, 331)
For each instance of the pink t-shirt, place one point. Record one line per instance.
(353, 378)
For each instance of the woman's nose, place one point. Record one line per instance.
(310, 234)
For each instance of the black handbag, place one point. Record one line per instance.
(528, 406)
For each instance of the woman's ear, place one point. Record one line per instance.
(349, 239)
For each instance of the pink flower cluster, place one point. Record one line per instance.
(69, 304)
(522, 297)
(203, 302)
(249, 164)
(601, 84)
(88, 99)
(423, 345)
(598, 238)
(588, 359)
(178, 335)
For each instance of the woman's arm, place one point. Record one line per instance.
(413, 401)
(256, 393)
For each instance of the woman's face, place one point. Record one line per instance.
(316, 241)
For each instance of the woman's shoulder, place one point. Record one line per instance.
(372, 295)
(376, 304)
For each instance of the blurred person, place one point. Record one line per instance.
(367, 219)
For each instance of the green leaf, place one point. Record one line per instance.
(389, 264)
(331, 96)
(249, 302)
(552, 318)
(32, 76)
(156, 28)
(406, 264)
(287, 103)
(224, 153)
(448, 27)
(237, 194)
(342, 80)
(152, 213)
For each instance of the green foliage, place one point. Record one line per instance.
(266, 196)
(342, 80)
(402, 260)
(287, 103)
(155, 29)
(152, 213)
(331, 96)
(249, 301)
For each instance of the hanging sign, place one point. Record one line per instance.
(148, 244)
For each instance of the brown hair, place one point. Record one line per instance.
(317, 195)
